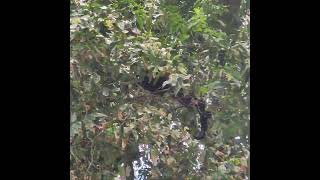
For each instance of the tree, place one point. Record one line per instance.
(120, 130)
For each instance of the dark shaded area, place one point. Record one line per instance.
(221, 57)
(204, 116)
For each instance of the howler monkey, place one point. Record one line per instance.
(156, 86)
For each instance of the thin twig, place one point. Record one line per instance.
(91, 154)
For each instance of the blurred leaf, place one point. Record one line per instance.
(170, 160)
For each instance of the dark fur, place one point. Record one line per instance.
(155, 86)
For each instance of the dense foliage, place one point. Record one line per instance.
(118, 129)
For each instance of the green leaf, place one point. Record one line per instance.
(203, 90)
(99, 115)
(182, 69)
(75, 20)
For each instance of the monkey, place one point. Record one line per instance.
(155, 86)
